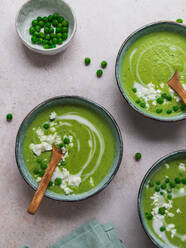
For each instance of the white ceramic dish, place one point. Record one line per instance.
(34, 8)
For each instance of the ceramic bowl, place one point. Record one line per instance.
(79, 102)
(166, 159)
(153, 27)
(34, 8)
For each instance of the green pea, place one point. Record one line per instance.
(50, 18)
(142, 104)
(37, 28)
(46, 30)
(60, 19)
(172, 184)
(151, 184)
(50, 184)
(53, 46)
(52, 35)
(179, 20)
(182, 107)
(59, 35)
(169, 98)
(54, 23)
(43, 166)
(45, 19)
(134, 90)
(36, 34)
(161, 193)
(55, 40)
(36, 171)
(34, 22)
(138, 156)
(169, 196)
(158, 182)
(149, 216)
(164, 95)
(175, 108)
(169, 111)
(41, 173)
(62, 145)
(45, 42)
(51, 30)
(99, 73)
(9, 117)
(50, 42)
(59, 41)
(32, 30)
(39, 160)
(48, 25)
(183, 180)
(34, 39)
(138, 101)
(64, 29)
(167, 180)
(162, 229)
(169, 190)
(39, 18)
(58, 181)
(160, 100)
(104, 65)
(63, 163)
(163, 186)
(159, 111)
(157, 189)
(47, 37)
(161, 210)
(66, 141)
(64, 36)
(40, 41)
(64, 23)
(46, 125)
(41, 24)
(55, 16)
(42, 35)
(177, 180)
(87, 61)
(59, 26)
(58, 30)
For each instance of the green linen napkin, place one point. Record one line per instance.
(90, 235)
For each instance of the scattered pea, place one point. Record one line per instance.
(157, 189)
(36, 171)
(160, 100)
(169, 196)
(177, 180)
(43, 166)
(161, 210)
(138, 156)
(60, 19)
(158, 182)
(46, 125)
(50, 184)
(161, 193)
(149, 216)
(9, 117)
(175, 108)
(64, 29)
(163, 186)
(87, 61)
(138, 101)
(167, 180)
(172, 184)
(162, 229)
(41, 173)
(142, 104)
(134, 90)
(103, 64)
(158, 110)
(64, 23)
(169, 98)
(99, 73)
(64, 36)
(184, 180)
(34, 22)
(61, 145)
(179, 20)
(151, 184)
(32, 30)
(169, 111)
(164, 95)
(59, 41)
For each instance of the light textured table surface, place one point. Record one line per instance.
(26, 79)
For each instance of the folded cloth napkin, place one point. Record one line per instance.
(90, 235)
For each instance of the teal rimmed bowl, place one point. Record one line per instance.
(34, 8)
(166, 159)
(79, 101)
(147, 29)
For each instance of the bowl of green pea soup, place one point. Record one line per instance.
(146, 61)
(162, 201)
(88, 136)
(46, 27)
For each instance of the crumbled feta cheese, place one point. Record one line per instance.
(182, 166)
(171, 228)
(170, 215)
(162, 85)
(167, 166)
(178, 211)
(39, 148)
(182, 190)
(53, 116)
(38, 179)
(53, 129)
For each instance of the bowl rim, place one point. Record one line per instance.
(99, 107)
(133, 106)
(39, 50)
(141, 188)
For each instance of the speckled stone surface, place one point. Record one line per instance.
(26, 79)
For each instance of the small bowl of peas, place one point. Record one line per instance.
(46, 27)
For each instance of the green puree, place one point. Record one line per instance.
(164, 203)
(149, 63)
(87, 140)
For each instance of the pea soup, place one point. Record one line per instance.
(164, 203)
(83, 135)
(148, 65)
